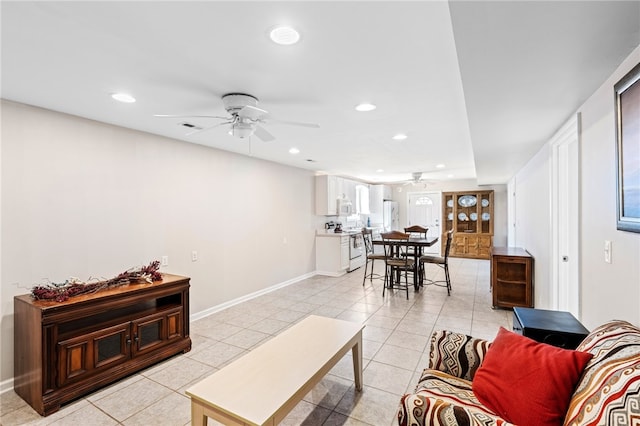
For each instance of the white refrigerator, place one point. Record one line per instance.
(390, 216)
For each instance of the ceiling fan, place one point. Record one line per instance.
(416, 179)
(245, 118)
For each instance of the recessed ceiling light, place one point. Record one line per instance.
(123, 97)
(294, 151)
(450, 176)
(440, 166)
(380, 170)
(365, 107)
(284, 35)
(399, 137)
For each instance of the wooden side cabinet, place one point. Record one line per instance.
(64, 350)
(511, 277)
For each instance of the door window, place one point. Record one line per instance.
(425, 209)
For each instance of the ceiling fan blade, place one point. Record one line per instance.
(189, 116)
(262, 134)
(295, 123)
(252, 113)
(208, 128)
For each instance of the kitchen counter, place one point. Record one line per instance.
(339, 253)
(330, 233)
(332, 253)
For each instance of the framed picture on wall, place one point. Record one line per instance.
(627, 113)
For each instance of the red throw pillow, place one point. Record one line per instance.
(526, 382)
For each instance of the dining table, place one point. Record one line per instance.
(418, 245)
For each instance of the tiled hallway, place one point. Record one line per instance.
(396, 344)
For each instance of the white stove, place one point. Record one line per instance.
(356, 251)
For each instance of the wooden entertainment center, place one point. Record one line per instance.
(64, 350)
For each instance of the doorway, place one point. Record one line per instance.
(566, 218)
(425, 209)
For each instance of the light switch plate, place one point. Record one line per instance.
(607, 251)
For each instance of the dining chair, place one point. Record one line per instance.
(367, 236)
(415, 231)
(396, 261)
(442, 262)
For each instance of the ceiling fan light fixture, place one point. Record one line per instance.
(365, 107)
(284, 35)
(241, 130)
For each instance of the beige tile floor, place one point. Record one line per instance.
(395, 347)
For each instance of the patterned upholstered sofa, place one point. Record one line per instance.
(607, 391)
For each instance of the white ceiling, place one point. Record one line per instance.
(478, 86)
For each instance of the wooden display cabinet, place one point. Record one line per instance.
(470, 215)
(511, 277)
(64, 350)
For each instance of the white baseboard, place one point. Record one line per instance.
(230, 303)
(331, 273)
(6, 385)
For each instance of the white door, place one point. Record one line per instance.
(425, 209)
(566, 218)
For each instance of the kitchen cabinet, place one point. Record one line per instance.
(376, 203)
(387, 192)
(332, 254)
(349, 191)
(362, 199)
(470, 215)
(511, 277)
(64, 350)
(328, 189)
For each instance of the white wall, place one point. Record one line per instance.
(532, 229)
(499, 200)
(87, 199)
(608, 291)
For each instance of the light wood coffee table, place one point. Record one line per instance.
(261, 387)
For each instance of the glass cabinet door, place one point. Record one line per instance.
(86, 354)
(156, 329)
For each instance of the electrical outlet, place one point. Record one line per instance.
(165, 261)
(607, 251)
(194, 256)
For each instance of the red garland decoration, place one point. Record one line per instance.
(74, 287)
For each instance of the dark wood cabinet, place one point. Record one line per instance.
(64, 350)
(511, 277)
